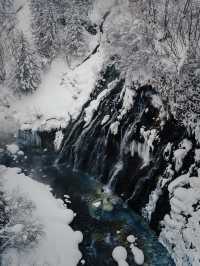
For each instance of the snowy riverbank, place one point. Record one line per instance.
(38, 231)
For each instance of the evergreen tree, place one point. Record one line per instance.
(7, 24)
(45, 28)
(27, 73)
(75, 16)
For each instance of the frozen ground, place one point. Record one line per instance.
(38, 231)
(61, 95)
(24, 18)
(62, 92)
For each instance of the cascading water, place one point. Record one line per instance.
(29, 138)
(124, 137)
(119, 137)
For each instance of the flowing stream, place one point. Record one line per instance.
(103, 218)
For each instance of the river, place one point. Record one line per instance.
(103, 218)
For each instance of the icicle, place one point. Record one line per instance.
(151, 205)
(113, 180)
(28, 138)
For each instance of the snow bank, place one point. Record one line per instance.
(138, 255)
(151, 205)
(181, 230)
(94, 104)
(154, 196)
(114, 127)
(131, 239)
(179, 154)
(105, 120)
(119, 254)
(38, 231)
(12, 148)
(61, 95)
(24, 18)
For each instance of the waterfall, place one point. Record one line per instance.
(113, 180)
(119, 137)
(28, 138)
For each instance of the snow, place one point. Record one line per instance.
(144, 150)
(131, 238)
(114, 127)
(90, 110)
(38, 231)
(94, 104)
(179, 154)
(138, 255)
(180, 228)
(156, 101)
(105, 120)
(99, 10)
(128, 95)
(15, 228)
(197, 155)
(158, 104)
(151, 205)
(12, 148)
(183, 56)
(24, 18)
(167, 151)
(60, 96)
(58, 140)
(96, 204)
(119, 254)
(8, 124)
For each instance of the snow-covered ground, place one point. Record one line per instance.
(60, 96)
(24, 16)
(120, 254)
(38, 231)
(62, 93)
(181, 230)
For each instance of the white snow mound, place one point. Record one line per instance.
(38, 231)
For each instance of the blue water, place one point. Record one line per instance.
(98, 225)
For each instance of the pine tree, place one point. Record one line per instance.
(76, 16)
(7, 16)
(45, 28)
(7, 24)
(27, 73)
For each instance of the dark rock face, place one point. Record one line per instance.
(122, 144)
(36, 139)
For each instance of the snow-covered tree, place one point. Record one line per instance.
(7, 25)
(45, 28)
(26, 76)
(59, 26)
(76, 16)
